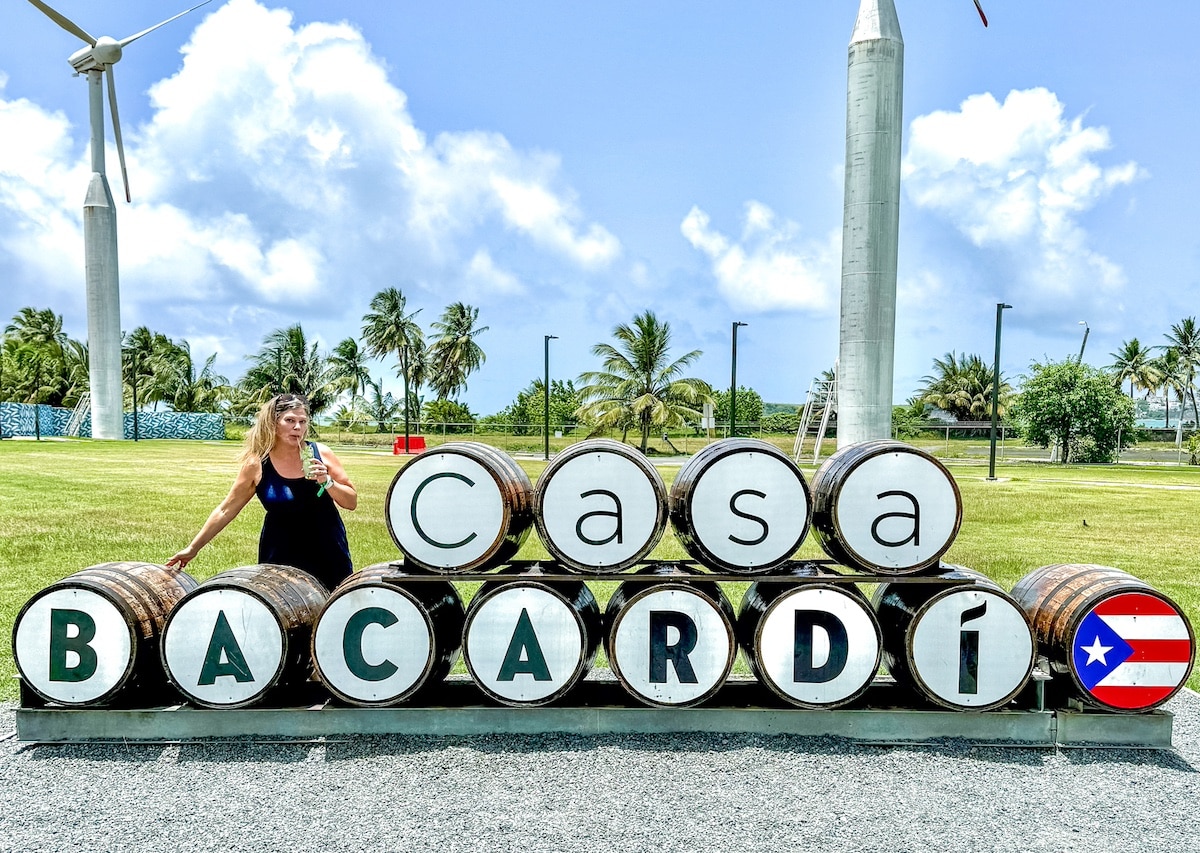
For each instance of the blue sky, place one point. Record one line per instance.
(563, 167)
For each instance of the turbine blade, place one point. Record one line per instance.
(64, 22)
(982, 16)
(137, 36)
(112, 105)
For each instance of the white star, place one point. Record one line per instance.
(1096, 651)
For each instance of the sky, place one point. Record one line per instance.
(563, 167)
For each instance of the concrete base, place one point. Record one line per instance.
(602, 708)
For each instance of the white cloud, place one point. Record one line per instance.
(769, 268)
(282, 172)
(1015, 177)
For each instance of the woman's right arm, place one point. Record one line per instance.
(239, 495)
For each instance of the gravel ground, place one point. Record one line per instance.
(558, 793)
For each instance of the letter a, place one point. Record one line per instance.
(617, 529)
(61, 643)
(915, 515)
(224, 656)
(524, 643)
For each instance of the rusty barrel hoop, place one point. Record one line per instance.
(276, 609)
(1071, 604)
(589, 489)
(623, 640)
(870, 491)
(768, 639)
(376, 679)
(740, 505)
(549, 633)
(126, 604)
(476, 508)
(922, 622)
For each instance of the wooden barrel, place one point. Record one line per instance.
(815, 644)
(95, 634)
(528, 641)
(379, 640)
(740, 505)
(600, 506)
(1126, 646)
(460, 507)
(670, 639)
(965, 646)
(242, 634)
(885, 507)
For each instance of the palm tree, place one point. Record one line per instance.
(963, 387)
(348, 361)
(1185, 337)
(1172, 377)
(1133, 362)
(191, 391)
(381, 408)
(639, 382)
(387, 329)
(455, 355)
(31, 326)
(288, 364)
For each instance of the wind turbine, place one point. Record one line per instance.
(100, 224)
(871, 223)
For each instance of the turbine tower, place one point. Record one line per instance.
(100, 225)
(871, 223)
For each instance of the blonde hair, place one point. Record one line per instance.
(261, 436)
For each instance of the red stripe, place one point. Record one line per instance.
(1132, 698)
(1160, 651)
(1135, 604)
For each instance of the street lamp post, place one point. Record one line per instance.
(1000, 306)
(733, 382)
(1086, 330)
(546, 392)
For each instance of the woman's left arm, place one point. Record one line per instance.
(337, 484)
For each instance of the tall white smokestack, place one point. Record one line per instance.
(871, 224)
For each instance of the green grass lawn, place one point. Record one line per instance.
(67, 505)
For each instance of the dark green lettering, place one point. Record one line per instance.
(352, 639)
(61, 642)
(803, 670)
(617, 532)
(524, 653)
(224, 656)
(413, 510)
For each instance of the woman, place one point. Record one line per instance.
(302, 527)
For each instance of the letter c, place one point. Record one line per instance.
(413, 511)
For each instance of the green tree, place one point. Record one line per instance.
(454, 355)
(1076, 407)
(451, 415)
(192, 391)
(639, 383)
(35, 340)
(383, 408)
(388, 329)
(962, 387)
(1133, 362)
(288, 364)
(527, 412)
(1185, 338)
(1172, 379)
(348, 365)
(749, 406)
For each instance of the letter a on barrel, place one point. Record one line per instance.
(528, 643)
(883, 506)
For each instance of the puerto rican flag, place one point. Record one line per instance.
(1133, 651)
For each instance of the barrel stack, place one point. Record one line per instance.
(884, 513)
